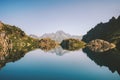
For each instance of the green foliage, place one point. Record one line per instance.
(47, 44)
(72, 44)
(18, 38)
(14, 43)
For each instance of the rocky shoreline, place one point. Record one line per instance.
(99, 45)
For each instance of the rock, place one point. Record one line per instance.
(1, 25)
(99, 45)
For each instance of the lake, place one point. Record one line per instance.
(57, 64)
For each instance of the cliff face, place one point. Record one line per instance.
(109, 31)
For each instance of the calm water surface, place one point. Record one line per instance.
(40, 65)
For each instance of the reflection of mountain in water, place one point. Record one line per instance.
(14, 43)
(99, 45)
(59, 51)
(13, 47)
(11, 56)
(110, 59)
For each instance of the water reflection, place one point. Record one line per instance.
(59, 51)
(99, 45)
(110, 59)
(12, 55)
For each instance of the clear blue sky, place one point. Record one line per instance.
(45, 16)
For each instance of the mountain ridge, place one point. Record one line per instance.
(106, 31)
(60, 35)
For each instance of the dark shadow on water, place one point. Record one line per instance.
(110, 59)
(12, 56)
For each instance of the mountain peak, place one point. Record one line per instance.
(59, 36)
(109, 31)
(112, 19)
(60, 31)
(118, 17)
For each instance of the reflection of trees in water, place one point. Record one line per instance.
(12, 56)
(72, 44)
(110, 59)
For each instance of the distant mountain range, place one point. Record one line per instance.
(58, 36)
(33, 36)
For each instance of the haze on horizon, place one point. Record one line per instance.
(75, 17)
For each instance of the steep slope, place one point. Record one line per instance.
(109, 31)
(13, 37)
